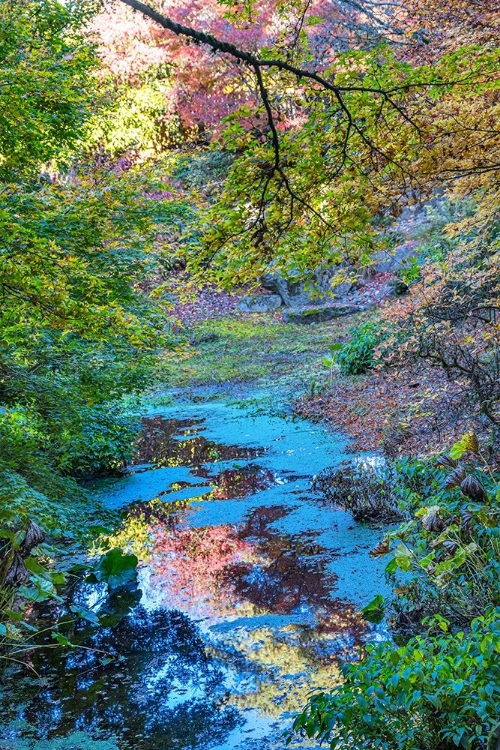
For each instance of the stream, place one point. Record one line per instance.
(248, 596)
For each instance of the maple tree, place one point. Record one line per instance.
(201, 88)
(324, 145)
(330, 147)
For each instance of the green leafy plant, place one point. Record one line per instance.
(331, 359)
(436, 692)
(448, 553)
(435, 242)
(115, 569)
(411, 271)
(357, 355)
(80, 323)
(441, 689)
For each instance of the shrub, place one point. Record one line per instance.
(369, 344)
(436, 692)
(452, 315)
(448, 555)
(441, 689)
(357, 355)
(367, 492)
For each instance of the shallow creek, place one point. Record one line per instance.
(249, 589)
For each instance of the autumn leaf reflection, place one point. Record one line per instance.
(227, 571)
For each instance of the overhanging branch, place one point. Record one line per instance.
(217, 45)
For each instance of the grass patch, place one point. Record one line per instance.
(257, 348)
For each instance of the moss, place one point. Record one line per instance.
(311, 311)
(255, 348)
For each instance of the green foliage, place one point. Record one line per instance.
(116, 569)
(77, 333)
(374, 611)
(411, 271)
(59, 505)
(73, 250)
(82, 313)
(448, 554)
(440, 690)
(202, 169)
(47, 91)
(437, 691)
(134, 119)
(357, 356)
(329, 199)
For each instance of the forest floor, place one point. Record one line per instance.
(410, 410)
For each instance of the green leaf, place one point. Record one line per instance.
(84, 613)
(33, 594)
(403, 557)
(426, 561)
(60, 638)
(34, 567)
(374, 611)
(116, 569)
(458, 449)
(442, 622)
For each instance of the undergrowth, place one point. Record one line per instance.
(440, 689)
(259, 347)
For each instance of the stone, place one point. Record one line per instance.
(260, 303)
(292, 293)
(392, 261)
(315, 290)
(320, 313)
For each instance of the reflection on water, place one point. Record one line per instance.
(249, 592)
(166, 692)
(177, 442)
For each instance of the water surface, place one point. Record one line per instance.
(249, 589)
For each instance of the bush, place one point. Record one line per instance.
(367, 492)
(447, 558)
(452, 315)
(358, 354)
(441, 689)
(436, 692)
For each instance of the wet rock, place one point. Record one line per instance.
(320, 313)
(260, 303)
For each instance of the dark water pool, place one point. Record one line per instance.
(249, 591)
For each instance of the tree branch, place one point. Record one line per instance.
(217, 45)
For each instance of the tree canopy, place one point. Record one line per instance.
(328, 145)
